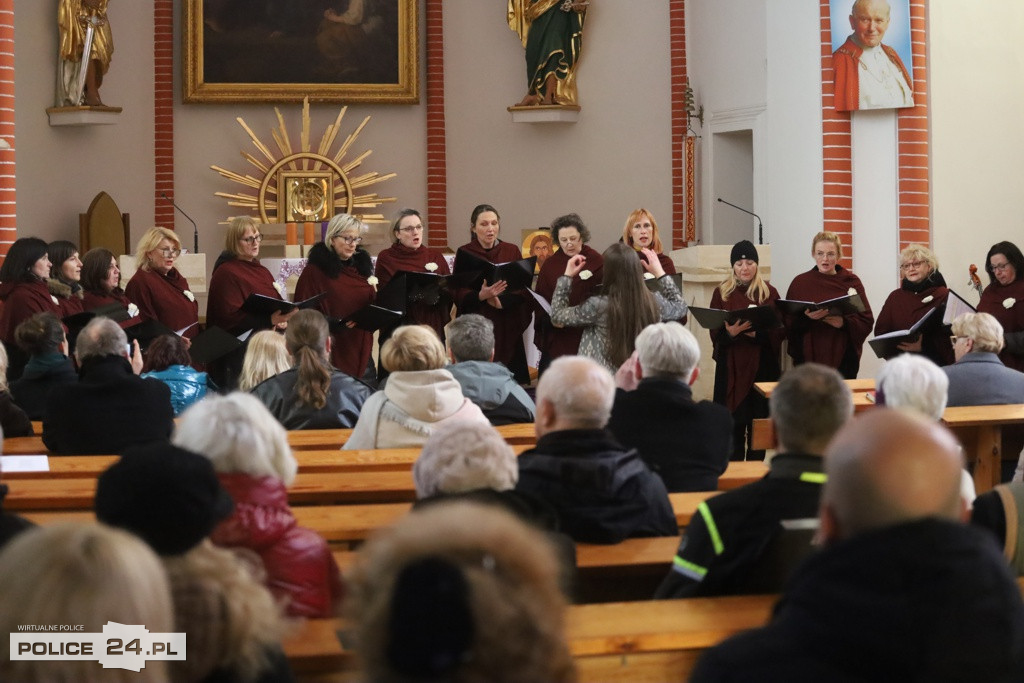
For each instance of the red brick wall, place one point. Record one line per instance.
(8, 209)
(677, 46)
(837, 190)
(437, 169)
(163, 123)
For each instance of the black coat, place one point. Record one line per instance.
(923, 601)
(686, 442)
(41, 375)
(109, 409)
(345, 400)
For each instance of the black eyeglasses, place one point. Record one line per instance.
(253, 239)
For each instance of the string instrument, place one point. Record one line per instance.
(975, 281)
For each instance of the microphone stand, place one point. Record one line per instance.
(760, 226)
(195, 228)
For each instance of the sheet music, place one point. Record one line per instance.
(955, 307)
(24, 463)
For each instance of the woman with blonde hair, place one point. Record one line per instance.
(157, 288)
(85, 575)
(641, 232)
(265, 356)
(312, 394)
(742, 354)
(419, 396)
(921, 290)
(343, 269)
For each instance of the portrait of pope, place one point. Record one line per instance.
(869, 63)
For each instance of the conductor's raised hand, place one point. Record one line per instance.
(575, 265)
(653, 264)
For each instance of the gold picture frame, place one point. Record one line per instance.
(285, 52)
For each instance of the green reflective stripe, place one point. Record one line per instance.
(813, 477)
(694, 571)
(709, 522)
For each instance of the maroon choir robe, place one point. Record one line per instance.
(553, 341)
(993, 301)
(347, 292)
(904, 307)
(815, 341)
(22, 300)
(742, 360)
(94, 300)
(232, 282)
(163, 298)
(511, 320)
(69, 300)
(397, 258)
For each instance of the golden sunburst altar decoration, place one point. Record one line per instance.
(306, 185)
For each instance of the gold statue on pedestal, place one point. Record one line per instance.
(552, 33)
(86, 45)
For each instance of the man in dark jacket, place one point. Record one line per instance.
(602, 491)
(110, 408)
(727, 539)
(903, 591)
(490, 385)
(686, 442)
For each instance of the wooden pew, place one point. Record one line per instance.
(856, 386)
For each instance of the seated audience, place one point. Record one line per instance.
(171, 498)
(914, 382)
(82, 575)
(731, 533)
(902, 590)
(167, 360)
(978, 377)
(13, 420)
(250, 452)
(420, 394)
(42, 340)
(312, 394)
(999, 511)
(688, 443)
(10, 524)
(458, 593)
(265, 356)
(470, 343)
(110, 408)
(603, 492)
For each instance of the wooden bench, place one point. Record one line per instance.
(856, 386)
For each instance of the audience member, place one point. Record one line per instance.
(732, 532)
(82, 575)
(459, 593)
(42, 339)
(688, 443)
(171, 498)
(420, 394)
(603, 492)
(250, 452)
(978, 377)
(13, 419)
(470, 343)
(903, 590)
(11, 524)
(312, 394)
(111, 407)
(265, 356)
(167, 360)
(999, 511)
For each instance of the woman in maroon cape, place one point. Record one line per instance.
(507, 310)
(572, 237)
(24, 293)
(65, 281)
(1004, 299)
(641, 232)
(818, 337)
(743, 355)
(344, 270)
(923, 288)
(409, 253)
(157, 288)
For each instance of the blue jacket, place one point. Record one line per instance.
(187, 385)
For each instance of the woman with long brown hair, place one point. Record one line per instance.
(625, 306)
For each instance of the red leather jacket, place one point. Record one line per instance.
(299, 565)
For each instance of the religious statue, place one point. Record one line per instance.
(552, 33)
(86, 45)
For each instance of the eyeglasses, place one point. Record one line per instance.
(912, 264)
(824, 254)
(350, 240)
(253, 239)
(1001, 267)
(953, 339)
(168, 252)
(411, 228)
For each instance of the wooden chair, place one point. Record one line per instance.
(103, 225)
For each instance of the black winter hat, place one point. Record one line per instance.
(744, 249)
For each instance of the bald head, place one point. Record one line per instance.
(574, 393)
(887, 467)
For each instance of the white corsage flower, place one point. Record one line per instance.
(189, 295)
(927, 299)
(279, 287)
(1008, 302)
(54, 299)
(133, 310)
(851, 291)
(586, 275)
(648, 276)
(372, 280)
(431, 266)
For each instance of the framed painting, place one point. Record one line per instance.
(285, 50)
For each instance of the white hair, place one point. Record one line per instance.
(667, 349)
(914, 382)
(238, 434)
(580, 390)
(461, 456)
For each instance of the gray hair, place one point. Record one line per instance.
(470, 337)
(808, 407)
(983, 329)
(914, 382)
(667, 349)
(101, 337)
(342, 223)
(580, 390)
(461, 456)
(237, 434)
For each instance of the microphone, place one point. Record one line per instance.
(195, 229)
(760, 227)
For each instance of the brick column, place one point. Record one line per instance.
(677, 58)
(914, 128)
(163, 112)
(835, 145)
(437, 169)
(8, 208)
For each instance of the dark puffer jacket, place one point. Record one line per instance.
(299, 565)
